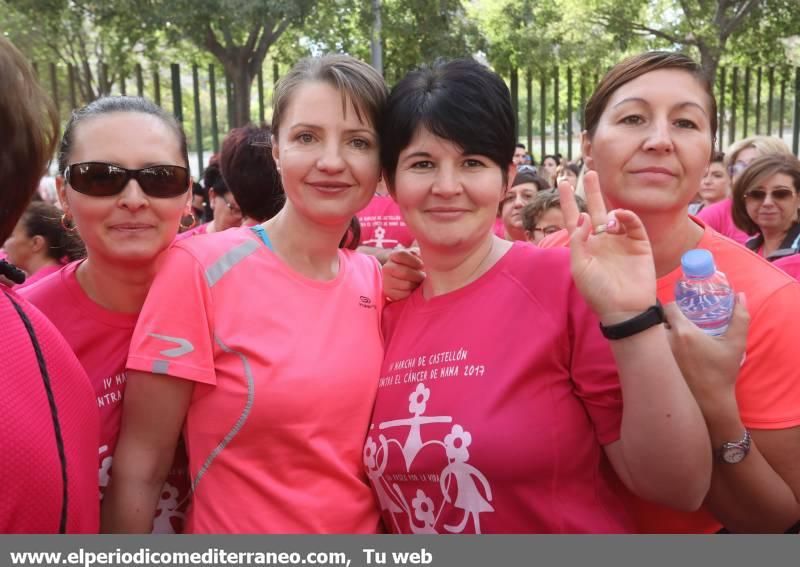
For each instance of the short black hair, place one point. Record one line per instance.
(460, 101)
(521, 146)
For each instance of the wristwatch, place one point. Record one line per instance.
(733, 453)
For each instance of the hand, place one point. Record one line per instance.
(402, 273)
(709, 364)
(613, 269)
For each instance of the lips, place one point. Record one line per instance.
(655, 171)
(329, 186)
(131, 226)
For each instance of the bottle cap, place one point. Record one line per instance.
(698, 263)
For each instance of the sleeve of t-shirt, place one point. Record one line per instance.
(594, 371)
(768, 386)
(174, 333)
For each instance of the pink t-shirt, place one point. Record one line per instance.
(285, 371)
(767, 388)
(499, 228)
(39, 275)
(790, 265)
(199, 229)
(31, 482)
(494, 403)
(719, 216)
(101, 338)
(382, 226)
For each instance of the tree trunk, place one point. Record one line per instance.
(514, 88)
(242, 81)
(709, 60)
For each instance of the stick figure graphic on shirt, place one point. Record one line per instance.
(413, 444)
(423, 511)
(375, 471)
(379, 241)
(468, 496)
(166, 510)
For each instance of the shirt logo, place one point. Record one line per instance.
(366, 302)
(184, 346)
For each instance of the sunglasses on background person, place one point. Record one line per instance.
(759, 195)
(99, 179)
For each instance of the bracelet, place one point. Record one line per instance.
(652, 316)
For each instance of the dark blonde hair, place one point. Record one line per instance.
(760, 170)
(359, 84)
(29, 126)
(542, 202)
(636, 66)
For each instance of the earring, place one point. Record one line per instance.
(191, 224)
(66, 223)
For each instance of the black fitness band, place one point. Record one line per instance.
(62, 457)
(652, 316)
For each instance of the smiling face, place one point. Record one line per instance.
(129, 228)
(327, 155)
(652, 142)
(448, 199)
(777, 211)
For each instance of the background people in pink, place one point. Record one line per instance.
(523, 189)
(262, 344)
(765, 203)
(48, 477)
(382, 226)
(472, 433)
(40, 244)
(738, 157)
(124, 186)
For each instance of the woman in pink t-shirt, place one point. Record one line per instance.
(262, 344)
(39, 244)
(473, 431)
(124, 187)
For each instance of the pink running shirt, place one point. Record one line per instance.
(494, 403)
(31, 485)
(285, 371)
(101, 338)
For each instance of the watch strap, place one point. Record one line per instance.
(652, 316)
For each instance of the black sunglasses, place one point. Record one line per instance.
(759, 195)
(99, 179)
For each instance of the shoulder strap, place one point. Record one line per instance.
(262, 234)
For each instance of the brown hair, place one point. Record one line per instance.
(542, 202)
(762, 168)
(43, 219)
(29, 124)
(636, 66)
(359, 84)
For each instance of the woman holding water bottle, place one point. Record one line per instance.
(650, 132)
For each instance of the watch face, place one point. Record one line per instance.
(733, 455)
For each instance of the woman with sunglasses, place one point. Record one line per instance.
(765, 203)
(124, 187)
(271, 364)
(48, 475)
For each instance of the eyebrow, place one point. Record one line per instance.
(318, 127)
(416, 155)
(643, 101)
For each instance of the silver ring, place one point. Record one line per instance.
(601, 228)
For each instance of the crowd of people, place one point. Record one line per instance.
(379, 314)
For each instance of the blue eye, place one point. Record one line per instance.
(305, 138)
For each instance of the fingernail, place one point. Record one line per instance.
(580, 220)
(612, 222)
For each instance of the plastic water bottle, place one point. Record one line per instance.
(703, 294)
